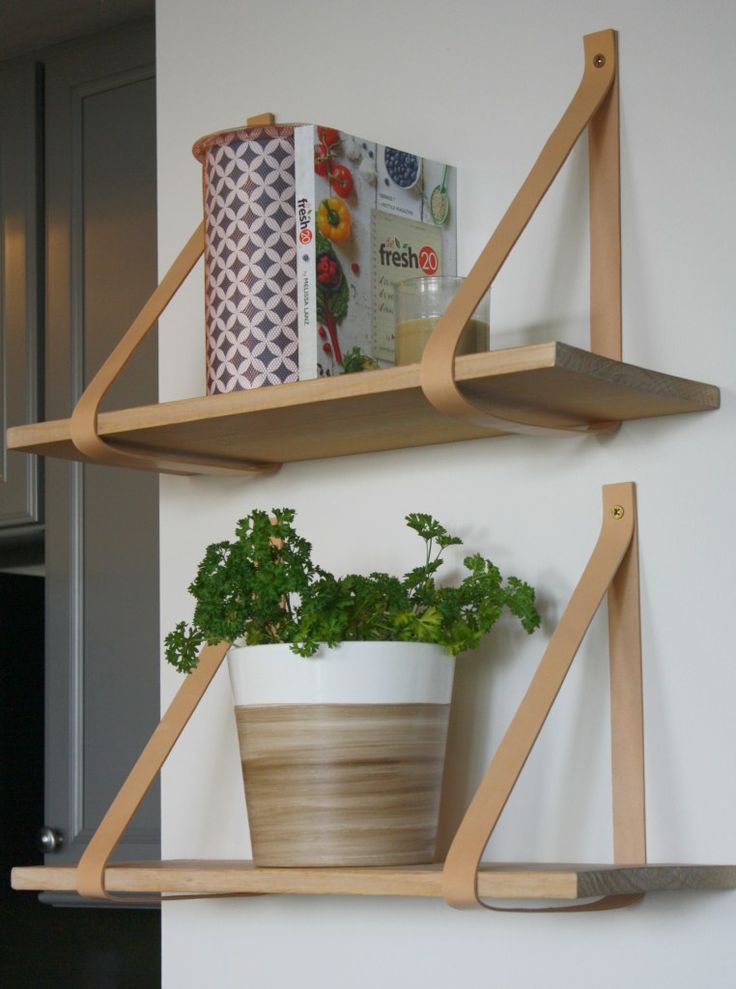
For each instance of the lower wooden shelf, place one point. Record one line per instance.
(498, 881)
(549, 384)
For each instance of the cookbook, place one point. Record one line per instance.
(367, 216)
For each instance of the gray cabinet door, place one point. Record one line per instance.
(20, 286)
(102, 652)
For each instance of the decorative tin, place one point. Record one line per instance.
(252, 334)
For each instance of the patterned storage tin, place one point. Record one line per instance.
(251, 312)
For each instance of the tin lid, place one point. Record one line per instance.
(254, 126)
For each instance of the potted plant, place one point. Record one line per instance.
(342, 686)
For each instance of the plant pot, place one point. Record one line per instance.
(342, 753)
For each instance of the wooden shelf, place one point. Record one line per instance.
(552, 384)
(526, 882)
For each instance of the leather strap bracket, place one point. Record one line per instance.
(613, 568)
(595, 106)
(83, 423)
(90, 876)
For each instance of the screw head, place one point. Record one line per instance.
(599, 61)
(617, 511)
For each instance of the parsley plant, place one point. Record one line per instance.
(264, 587)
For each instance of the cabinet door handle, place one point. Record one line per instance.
(49, 840)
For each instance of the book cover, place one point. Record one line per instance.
(367, 216)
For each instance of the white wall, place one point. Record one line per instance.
(482, 84)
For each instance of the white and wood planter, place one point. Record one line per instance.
(342, 753)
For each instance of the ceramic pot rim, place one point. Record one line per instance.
(352, 673)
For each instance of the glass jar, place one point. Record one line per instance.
(419, 303)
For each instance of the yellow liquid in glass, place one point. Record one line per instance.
(412, 336)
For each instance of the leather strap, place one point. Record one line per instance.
(83, 424)
(614, 562)
(604, 171)
(438, 360)
(90, 875)
(261, 120)
(627, 711)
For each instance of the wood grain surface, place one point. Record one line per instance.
(342, 784)
(502, 881)
(549, 383)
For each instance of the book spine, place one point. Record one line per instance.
(304, 141)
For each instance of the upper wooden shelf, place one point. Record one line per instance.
(552, 384)
(525, 882)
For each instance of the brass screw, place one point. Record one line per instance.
(617, 511)
(599, 61)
